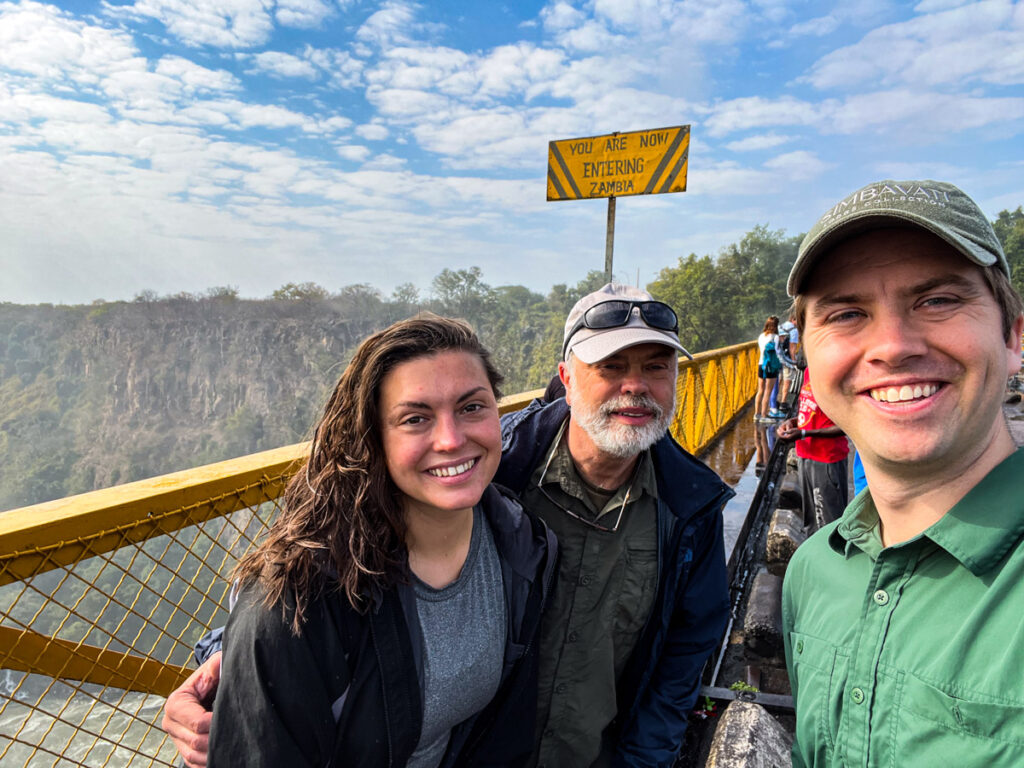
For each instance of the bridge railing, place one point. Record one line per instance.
(103, 595)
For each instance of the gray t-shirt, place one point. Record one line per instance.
(463, 627)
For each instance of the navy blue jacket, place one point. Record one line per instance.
(659, 686)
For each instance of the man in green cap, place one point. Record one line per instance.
(903, 619)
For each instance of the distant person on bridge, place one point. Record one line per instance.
(821, 449)
(391, 612)
(902, 620)
(641, 597)
(787, 349)
(768, 368)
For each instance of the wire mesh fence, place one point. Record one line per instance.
(101, 627)
(103, 595)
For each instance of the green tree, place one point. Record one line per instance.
(754, 272)
(463, 293)
(300, 292)
(694, 288)
(560, 300)
(1009, 227)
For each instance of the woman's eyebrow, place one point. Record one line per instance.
(420, 404)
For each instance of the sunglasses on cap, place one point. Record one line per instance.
(616, 313)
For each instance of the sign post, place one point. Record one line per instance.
(609, 240)
(618, 164)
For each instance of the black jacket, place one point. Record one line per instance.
(348, 689)
(660, 684)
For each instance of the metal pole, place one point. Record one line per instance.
(609, 241)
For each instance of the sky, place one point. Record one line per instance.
(181, 145)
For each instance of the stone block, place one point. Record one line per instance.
(785, 533)
(762, 624)
(789, 491)
(748, 737)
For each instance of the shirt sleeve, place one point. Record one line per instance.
(273, 705)
(695, 629)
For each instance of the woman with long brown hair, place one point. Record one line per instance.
(388, 617)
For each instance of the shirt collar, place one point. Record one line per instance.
(563, 471)
(978, 531)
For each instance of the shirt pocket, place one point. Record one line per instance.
(939, 728)
(821, 670)
(639, 579)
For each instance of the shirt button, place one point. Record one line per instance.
(585, 581)
(560, 688)
(799, 646)
(573, 637)
(881, 597)
(547, 735)
(857, 695)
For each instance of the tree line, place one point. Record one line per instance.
(110, 392)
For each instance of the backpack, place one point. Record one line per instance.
(770, 363)
(783, 346)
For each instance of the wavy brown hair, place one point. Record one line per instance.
(342, 524)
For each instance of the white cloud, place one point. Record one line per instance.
(279, 64)
(394, 24)
(760, 141)
(373, 131)
(981, 42)
(385, 162)
(219, 23)
(726, 179)
(196, 78)
(800, 165)
(342, 68)
(305, 14)
(404, 102)
(46, 43)
(757, 112)
(354, 152)
(818, 27)
(912, 116)
(560, 16)
(930, 6)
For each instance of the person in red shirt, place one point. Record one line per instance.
(821, 450)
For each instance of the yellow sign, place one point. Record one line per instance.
(635, 163)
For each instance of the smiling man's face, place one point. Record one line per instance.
(625, 402)
(903, 338)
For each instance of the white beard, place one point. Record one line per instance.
(615, 438)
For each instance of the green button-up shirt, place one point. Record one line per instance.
(912, 655)
(603, 595)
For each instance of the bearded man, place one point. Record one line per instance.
(641, 597)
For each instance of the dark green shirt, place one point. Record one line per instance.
(912, 655)
(590, 629)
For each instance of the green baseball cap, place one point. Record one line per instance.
(936, 206)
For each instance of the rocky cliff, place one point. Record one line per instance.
(91, 396)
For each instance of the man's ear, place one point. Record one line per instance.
(565, 373)
(1013, 345)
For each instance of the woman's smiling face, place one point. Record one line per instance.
(440, 431)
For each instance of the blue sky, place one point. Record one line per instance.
(177, 145)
